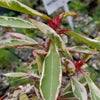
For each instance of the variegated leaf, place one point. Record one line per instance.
(95, 92)
(49, 32)
(15, 22)
(91, 42)
(16, 74)
(82, 49)
(78, 89)
(11, 43)
(50, 81)
(18, 6)
(21, 36)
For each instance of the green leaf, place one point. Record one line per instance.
(16, 74)
(39, 60)
(95, 92)
(11, 43)
(78, 89)
(82, 49)
(91, 42)
(49, 32)
(65, 38)
(15, 22)
(69, 96)
(67, 89)
(39, 55)
(18, 6)
(33, 68)
(86, 57)
(50, 81)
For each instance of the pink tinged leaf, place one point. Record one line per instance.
(15, 35)
(66, 14)
(26, 38)
(39, 52)
(12, 43)
(82, 49)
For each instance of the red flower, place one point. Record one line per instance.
(55, 22)
(78, 66)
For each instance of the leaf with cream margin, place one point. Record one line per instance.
(11, 43)
(68, 96)
(39, 60)
(95, 92)
(68, 87)
(16, 74)
(18, 6)
(50, 33)
(82, 49)
(21, 36)
(15, 22)
(78, 89)
(39, 55)
(91, 42)
(50, 81)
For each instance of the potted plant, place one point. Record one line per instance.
(54, 59)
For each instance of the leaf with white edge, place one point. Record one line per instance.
(37, 93)
(49, 32)
(67, 89)
(11, 43)
(21, 36)
(78, 89)
(39, 60)
(15, 22)
(50, 81)
(39, 54)
(16, 74)
(95, 92)
(91, 42)
(82, 49)
(65, 38)
(33, 69)
(18, 6)
(69, 96)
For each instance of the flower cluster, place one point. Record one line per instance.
(78, 64)
(55, 22)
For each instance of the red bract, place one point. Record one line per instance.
(78, 66)
(55, 22)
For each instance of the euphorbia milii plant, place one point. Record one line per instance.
(54, 59)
